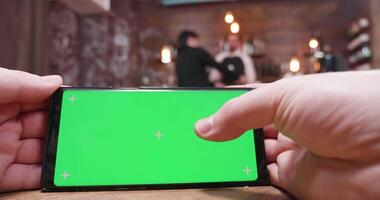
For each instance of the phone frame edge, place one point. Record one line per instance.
(49, 157)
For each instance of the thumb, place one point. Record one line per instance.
(18, 86)
(254, 109)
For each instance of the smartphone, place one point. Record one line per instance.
(111, 139)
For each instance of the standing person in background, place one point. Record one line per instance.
(237, 61)
(192, 62)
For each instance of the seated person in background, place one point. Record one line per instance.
(235, 60)
(192, 62)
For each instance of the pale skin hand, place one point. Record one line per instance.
(330, 124)
(23, 118)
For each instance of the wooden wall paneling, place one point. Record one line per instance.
(375, 20)
(9, 34)
(24, 35)
(31, 36)
(39, 43)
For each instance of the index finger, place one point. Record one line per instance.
(254, 109)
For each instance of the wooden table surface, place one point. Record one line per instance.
(251, 193)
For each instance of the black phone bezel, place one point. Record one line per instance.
(51, 140)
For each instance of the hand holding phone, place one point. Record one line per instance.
(23, 119)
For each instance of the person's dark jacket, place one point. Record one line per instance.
(191, 67)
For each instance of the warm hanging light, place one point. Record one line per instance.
(235, 27)
(294, 65)
(313, 43)
(166, 55)
(229, 18)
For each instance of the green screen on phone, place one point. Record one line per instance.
(138, 137)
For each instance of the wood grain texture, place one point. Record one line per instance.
(8, 34)
(262, 193)
(375, 17)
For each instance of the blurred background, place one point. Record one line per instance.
(126, 43)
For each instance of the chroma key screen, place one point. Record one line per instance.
(133, 137)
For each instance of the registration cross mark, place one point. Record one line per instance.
(65, 175)
(247, 170)
(159, 135)
(72, 99)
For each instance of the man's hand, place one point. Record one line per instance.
(23, 118)
(329, 141)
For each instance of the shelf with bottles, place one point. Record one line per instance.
(363, 67)
(359, 48)
(359, 26)
(361, 40)
(364, 53)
